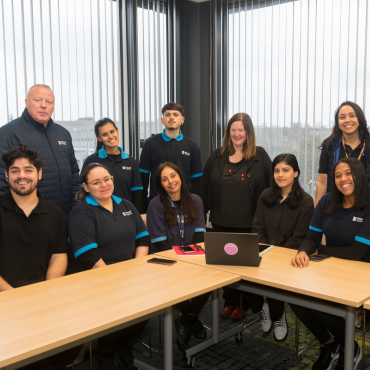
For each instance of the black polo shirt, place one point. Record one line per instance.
(111, 236)
(27, 243)
(352, 153)
(181, 151)
(125, 171)
(343, 227)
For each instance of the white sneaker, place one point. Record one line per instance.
(265, 318)
(281, 328)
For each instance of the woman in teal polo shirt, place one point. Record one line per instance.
(344, 217)
(123, 167)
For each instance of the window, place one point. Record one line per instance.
(70, 45)
(152, 68)
(290, 65)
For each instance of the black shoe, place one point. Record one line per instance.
(329, 353)
(184, 333)
(356, 358)
(105, 363)
(198, 330)
(125, 358)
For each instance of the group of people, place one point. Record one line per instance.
(119, 209)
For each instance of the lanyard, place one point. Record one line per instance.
(362, 150)
(181, 223)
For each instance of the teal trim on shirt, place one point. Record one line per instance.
(167, 138)
(138, 188)
(144, 171)
(196, 175)
(362, 240)
(161, 238)
(138, 236)
(92, 201)
(199, 230)
(85, 248)
(103, 154)
(315, 229)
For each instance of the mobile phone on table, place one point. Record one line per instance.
(319, 257)
(187, 249)
(162, 261)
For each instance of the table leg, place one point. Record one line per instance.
(168, 339)
(215, 316)
(350, 338)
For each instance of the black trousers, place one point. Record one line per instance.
(231, 296)
(255, 302)
(321, 325)
(190, 309)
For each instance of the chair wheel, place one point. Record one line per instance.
(190, 362)
(239, 337)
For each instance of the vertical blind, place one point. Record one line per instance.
(290, 65)
(70, 45)
(152, 68)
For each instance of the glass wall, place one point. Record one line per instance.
(290, 65)
(70, 45)
(152, 68)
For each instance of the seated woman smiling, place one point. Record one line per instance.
(344, 217)
(175, 217)
(105, 229)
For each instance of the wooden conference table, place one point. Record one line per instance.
(367, 305)
(42, 319)
(334, 286)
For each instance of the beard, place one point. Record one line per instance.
(24, 192)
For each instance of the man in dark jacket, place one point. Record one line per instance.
(36, 129)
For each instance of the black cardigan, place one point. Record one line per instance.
(259, 173)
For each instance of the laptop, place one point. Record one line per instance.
(233, 249)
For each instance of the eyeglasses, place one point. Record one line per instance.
(106, 180)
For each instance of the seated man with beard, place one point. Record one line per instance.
(33, 231)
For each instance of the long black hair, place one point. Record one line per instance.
(336, 134)
(189, 208)
(82, 193)
(274, 192)
(362, 191)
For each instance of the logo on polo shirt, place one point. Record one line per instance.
(62, 142)
(358, 219)
(129, 213)
(185, 153)
(126, 168)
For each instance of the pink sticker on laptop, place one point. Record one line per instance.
(231, 249)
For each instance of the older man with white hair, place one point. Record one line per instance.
(36, 129)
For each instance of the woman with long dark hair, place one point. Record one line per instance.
(104, 229)
(284, 212)
(234, 177)
(124, 168)
(350, 138)
(175, 217)
(344, 217)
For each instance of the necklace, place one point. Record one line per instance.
(345, 151)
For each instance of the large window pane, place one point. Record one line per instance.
(291, 64)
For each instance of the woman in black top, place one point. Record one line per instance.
(350, 138)
(234, 177)
(344, 217)
(284, 212)
(124, 168)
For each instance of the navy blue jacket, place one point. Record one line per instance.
(334, 150)
(60, 173)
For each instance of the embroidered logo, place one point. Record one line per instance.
(62, 142)
(185, 153)
(358, 219)
(231, 249)
(129, 213)
(126, 168)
